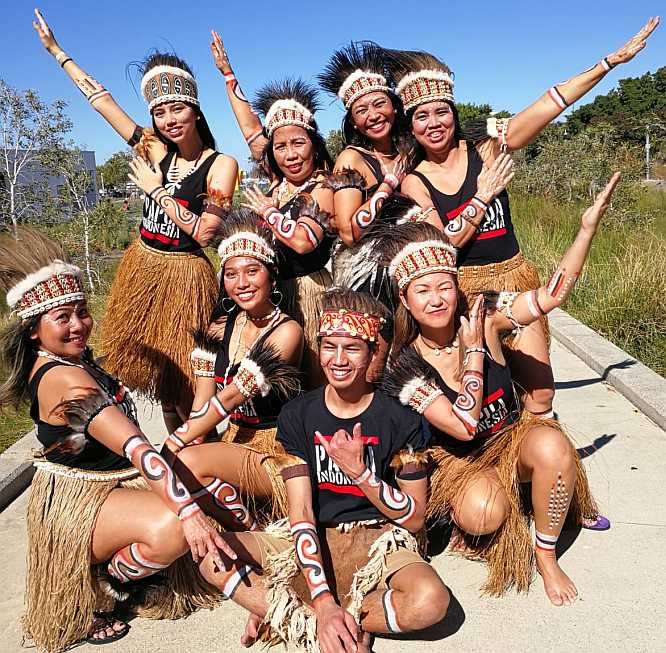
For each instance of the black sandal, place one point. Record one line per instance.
(102, 621)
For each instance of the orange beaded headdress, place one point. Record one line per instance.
(354, 324)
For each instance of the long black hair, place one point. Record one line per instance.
(157, 58)
(305, 94)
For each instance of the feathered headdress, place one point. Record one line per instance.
(287, 102)
(36, 274)
(420, 77)
(412, 250)
(243, 235)
(354, 71)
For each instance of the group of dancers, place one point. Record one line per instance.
(371, 359)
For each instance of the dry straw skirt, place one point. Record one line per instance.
(355, 560)
(509, 552)
(61, 588)
(157, 299)
(513, 275)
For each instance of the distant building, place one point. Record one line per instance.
(35, 175)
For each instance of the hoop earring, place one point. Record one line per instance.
(275, 291)
(232, 308)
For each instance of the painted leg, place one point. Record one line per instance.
(546, 458)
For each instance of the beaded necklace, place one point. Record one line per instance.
(42, 353)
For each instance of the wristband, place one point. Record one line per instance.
(68, 59)
(135, 138)
(606, 65)
(365, 475)
(187, 511)
(473, 350)
(479, 203)
(229, 77)
(253, 137)
(62, 57)
(557, 97)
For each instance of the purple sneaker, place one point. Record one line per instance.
(600, 523)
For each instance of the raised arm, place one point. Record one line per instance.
(491, 182)
(406, 506)
(517, 310)
(525, 126)
(221, 183)
(353, 216)
(334, 624)
(302, 234)
(86, 409)
(99, 98)
(248, 121)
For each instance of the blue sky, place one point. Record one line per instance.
(504, 53)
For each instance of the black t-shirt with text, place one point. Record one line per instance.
(387, 428)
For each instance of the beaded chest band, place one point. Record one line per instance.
(341, 322)
(168, 84)
(425, 86)
(246, 243)
(288, 112)
(53, 285)
(359, 83)
(418, 259)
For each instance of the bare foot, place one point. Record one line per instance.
(560, 589)
(458, 543)
(251, 633)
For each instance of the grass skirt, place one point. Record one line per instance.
(264, 443)
(156, 300)
(308, 293)
(61, 589)
(354, 561)
(509, 551)
(514, 275)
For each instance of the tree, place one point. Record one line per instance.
(469, 111)
(335, 143)
(113, 172)
(28, 128)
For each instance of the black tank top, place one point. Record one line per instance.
(291, 264)
(53, 437)
(494, 241)
(376, 168)
(258, 412)
(500, 407)
(157, 229)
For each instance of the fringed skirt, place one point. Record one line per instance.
(61, 589)
(308, 298)
(271, 453)
(357, 559)
(157, 299)
(509, 551)
(513, 275)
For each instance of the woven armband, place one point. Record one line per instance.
(419, 394)
(203, 362)
(250, 380)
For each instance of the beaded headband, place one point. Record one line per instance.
(418, 259)
(341, 322)
(288, 112)
(359, 83)
(168, 84)
(53, 285)
(424, 86)
(246, 243)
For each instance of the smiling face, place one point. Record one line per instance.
(373, 115)
(432, 299)
(176, 121)
(345, 361)
(294, 153)
(248, 282)
(433, 126)
(64, 331)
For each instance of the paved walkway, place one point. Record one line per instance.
(620, 574)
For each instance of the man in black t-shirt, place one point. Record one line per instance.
(356, 485)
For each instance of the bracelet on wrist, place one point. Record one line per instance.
(229, 77)
(606, 65)
(479, 203)
(61, 57)
(473, 350)
(362, 477)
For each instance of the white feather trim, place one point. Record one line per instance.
(426, 73)
(269, 256)
(409, 389)
(202, 354)
(412, 248)
(17, 291)
(259, 378)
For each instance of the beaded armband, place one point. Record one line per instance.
(250, 380)
(505, 303)
(419, 394)
(203, 362)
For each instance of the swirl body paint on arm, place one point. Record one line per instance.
(185, 219)
(308, 556)
(393, 503)
(467, 406)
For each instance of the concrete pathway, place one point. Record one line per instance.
(620, 574)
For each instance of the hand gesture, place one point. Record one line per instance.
(45, 34)
(634, 45)
(394, 172)
(592, 216)
(471, 330)
(219, 54)
(493, 180)
(337, 632)
(144, 176)
(345, 450)
(257, 201)
(203, 539)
